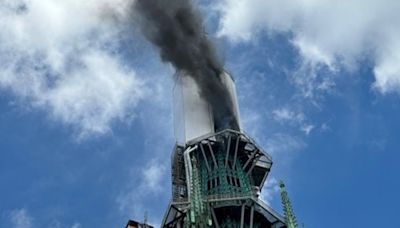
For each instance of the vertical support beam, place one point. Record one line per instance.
(242, 217)
(214, 217)
(236, 150)
(251, 216)
(250, 159)
(235, 181)
(188, 169)
(205, 158)
(212, 154)
(227, 151)
(231, 178)
(252, 166)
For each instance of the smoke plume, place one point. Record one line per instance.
(176, 28)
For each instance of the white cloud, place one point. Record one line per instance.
(326, 32)
(153, 174)
(285, 115)
(270, 190)
(283, 145)
(307, 128)
(76, 225)
(149, 179)
(58, 56)
(145, 186)
(20, 218)
(57, 224)
(314, 55)
(388, 67)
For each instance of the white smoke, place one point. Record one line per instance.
(326, 32)
(59, 56)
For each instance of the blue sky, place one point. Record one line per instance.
(86, 128)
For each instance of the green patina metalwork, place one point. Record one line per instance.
(199, 216)
(210, 180)
(223, 181)
(218, 180)
(290, 218)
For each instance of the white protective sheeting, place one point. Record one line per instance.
(193, 116)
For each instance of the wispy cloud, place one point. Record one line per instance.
(58, 224)
(61, 57)
(270, 190)
(326, 33)
(20, 218)
(146, 184)
(307, 128)
(149, 177)
(76, 225)
(284, 144)
(284, 115)
(153, 175)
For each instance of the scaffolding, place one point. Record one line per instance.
(216, 182)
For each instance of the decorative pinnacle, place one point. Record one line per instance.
(290, 218)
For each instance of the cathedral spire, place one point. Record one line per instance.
(290, 218)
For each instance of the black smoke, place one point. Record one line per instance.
(176, 29)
